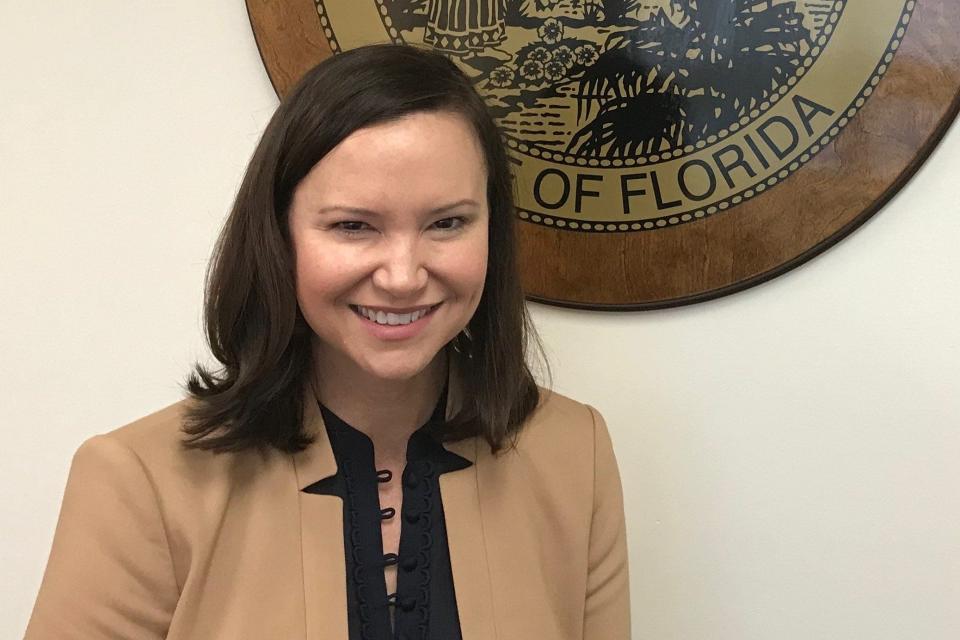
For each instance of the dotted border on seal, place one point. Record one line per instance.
(328, 31)
(650, 224)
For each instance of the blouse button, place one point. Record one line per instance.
(408, 604)
(409, 564)
(411, 516)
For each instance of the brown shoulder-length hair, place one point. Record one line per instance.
(255, 398)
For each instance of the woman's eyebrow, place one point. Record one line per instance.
(345, 209)
(370, 212)
(454, 205)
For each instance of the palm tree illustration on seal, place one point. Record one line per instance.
(664, 85)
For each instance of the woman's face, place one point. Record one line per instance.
(392, 225)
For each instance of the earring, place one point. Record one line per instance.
(463, 343)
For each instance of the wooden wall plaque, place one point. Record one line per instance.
(672, 151)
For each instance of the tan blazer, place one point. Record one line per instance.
(157, 541)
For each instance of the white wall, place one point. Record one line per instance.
(789, 453)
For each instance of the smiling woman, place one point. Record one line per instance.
(372, 459)
(374, 240)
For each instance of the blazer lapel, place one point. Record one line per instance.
(468, 549)
(460, 492)
(321, 535)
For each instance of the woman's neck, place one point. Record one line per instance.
(387, 411)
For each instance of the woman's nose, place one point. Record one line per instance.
(402, 272)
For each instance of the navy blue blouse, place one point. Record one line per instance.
(424, 605)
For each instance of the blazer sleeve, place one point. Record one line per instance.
(110, 573)
(607, 607)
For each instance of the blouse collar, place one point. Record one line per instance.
(318, 461)
(348, 442)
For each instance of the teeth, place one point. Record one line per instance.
(391, 318)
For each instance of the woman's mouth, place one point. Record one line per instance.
(388, 319)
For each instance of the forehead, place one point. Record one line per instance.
(410, 162)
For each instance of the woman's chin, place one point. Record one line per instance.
(401, 371)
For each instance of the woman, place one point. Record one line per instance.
(372, 459)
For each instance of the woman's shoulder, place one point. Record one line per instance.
(160, 428)
(153, 437)
(560, 426)
(155, 443)
(560, 452)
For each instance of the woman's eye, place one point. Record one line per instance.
(351, 226)
(449, 224)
